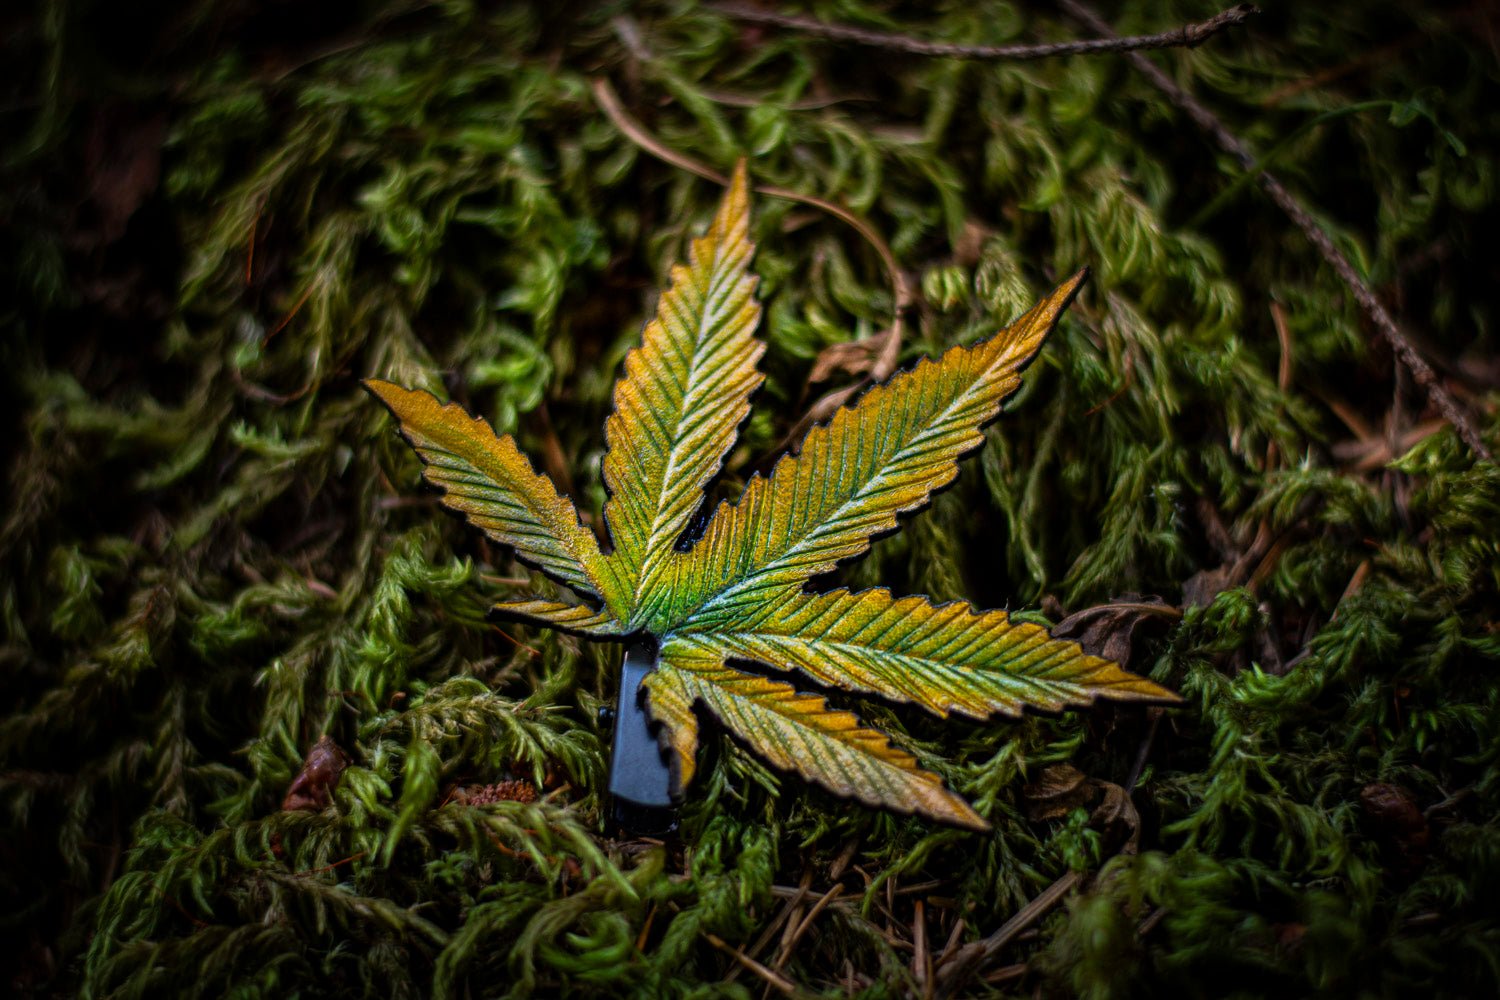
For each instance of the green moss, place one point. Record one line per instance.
(215, 551)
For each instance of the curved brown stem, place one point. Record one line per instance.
(901, 290)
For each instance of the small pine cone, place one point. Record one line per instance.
(501, 791)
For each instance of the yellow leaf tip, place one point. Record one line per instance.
(388, 393)
(736, 203)
(1166, 696)
(966, 818)
(1144, 689)
(1078, 279)
(1064, 294)
(1023, 339)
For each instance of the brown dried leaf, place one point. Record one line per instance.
(312, 788)
(1106, 631)
(1057, 791)
(1116, 817)
(1061, 788)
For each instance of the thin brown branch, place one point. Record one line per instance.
(1206, 120)
(1284, 337)
(250, 250)
(1008, 974)
(1361, 573)
(1188, 35)
(807, 921)
(645, 934)
(787, 914)
(291, 314)
(197, 922)
(628, 31)
(609, 103)
(841, 863)
(554, 459)
(772, 978)
(973, 957)
(1149, 924)
(329, 868)
(517, 642)
(953, 939)
(921, 959)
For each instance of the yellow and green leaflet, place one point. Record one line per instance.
(685, 391)
(945, 658)
(736, 595)
(795, 732)
(487, 480)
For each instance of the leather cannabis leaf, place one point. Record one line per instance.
(737, 593)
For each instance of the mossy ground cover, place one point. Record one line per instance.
(220, 217)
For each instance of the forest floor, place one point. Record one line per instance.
(260, 737)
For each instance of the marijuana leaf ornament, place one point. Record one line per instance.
(735, 595)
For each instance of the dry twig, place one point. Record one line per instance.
(771, 977)
(807, 921)
(973, 957)
(921, 959)
(1188, 35)
(788, 913)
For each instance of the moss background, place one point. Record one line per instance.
(219, 216)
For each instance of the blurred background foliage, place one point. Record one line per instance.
(220, 216)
